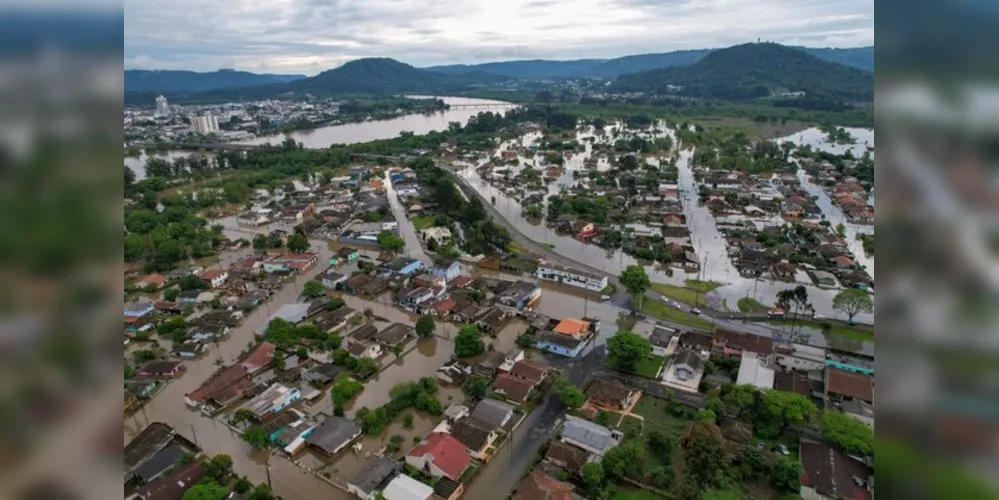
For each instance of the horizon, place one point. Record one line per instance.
(471, 64)
(310, 36)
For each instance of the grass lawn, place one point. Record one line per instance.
(422, 222)
(608, 290)
(658, 310)
(837, 329)
(703, 286)
(683, 294)
(633, 494)
(630, 425)
(657, 416)
(648, 368)
(749, 304)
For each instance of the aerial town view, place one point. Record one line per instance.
(627, 277)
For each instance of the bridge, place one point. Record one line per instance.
(482, 106)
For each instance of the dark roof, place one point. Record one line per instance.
(471, 432)
(446, 487)
(394, 334)
(159, 463)
(796, 382)
(279, 421)
(530, 370)
(514, 388)
(346, 251)
(364, 332)
(540, 486)
(358, 348)
(854, 385)
(689, 358)
(606, 390)
(376, 473)
(492, 412)
(443, 262)
(173, 487)
(558, 339)
(660, 337)
(572, 456)
(831, 472)
(744, 341)
(699, 339)
(152, 439)
(160, 367)
(333, 433)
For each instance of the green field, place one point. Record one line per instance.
(749, 304)
(703, 286)
(657, 416)
(648, 368)
(422, 222)
(837, 329)
(658, 310)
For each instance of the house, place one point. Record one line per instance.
(557, 343)
(573, 327)
(454, 372)
(138, 309)
(583, 229)
(519, 294)
(589, 436)
(322, 374)
(403, 487)
(412, 298)
(610, 394)
(174, 486)
(296, 262)
(439, 235)
(569, 457)
(800, 357)
(215, 278)
(332, 280)
(404, 265)
(830, 473)
(571, 276)
(531, 371)
(475, 435)
(696, 341)
(684, 371)
(156, 281)
(258, 358)
(159, 463)
(375, 476)
(825, 278)
(756, 370)
(447, 489)
(446, 268)
(428, 280)
(440, 455)
(161, 369)
(224, 387)
(493, 413)
(845, 386)
(732, 343)
(394, 334)
(333, 435)
(363, 349)
(663, 341)
(347, 254)
(276, 398)
(515, 389)
(540, 486)
(491, 319)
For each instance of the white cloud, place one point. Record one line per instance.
(308, 36)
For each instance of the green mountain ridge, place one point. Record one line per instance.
(139, 80)
(752, 71)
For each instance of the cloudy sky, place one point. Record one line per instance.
(309, 36)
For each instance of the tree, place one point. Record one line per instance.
(208, 490)
(261, 492)
(219, 467)
(260, 243)
(525, 341)
(741, 396)
(786, 475)
(242, 485)
(753, 463)
(661, 445)
(192, 282)
(705, 456)
(256, 437)
(847, 433)
(626, 349)
(468, 342)
(277, 363)
(390, 241)
(171, 294)
(851, 302)
(593, 475)
(627, 459)
(313, 289)
(841, 230)
(425, 326)
(475, 387)
(572, 396)
(344, 390)
(298, 243)
(787, 408)
(636, 282)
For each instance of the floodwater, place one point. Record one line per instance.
(350, 463)
(708, 242)
(352, 133)
(429, 355)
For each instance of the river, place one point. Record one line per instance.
(352, 133)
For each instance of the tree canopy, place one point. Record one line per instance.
(847, 433)
(468, 342)
(572, 396)
(626, 349)
(852, 301)
(636, 282)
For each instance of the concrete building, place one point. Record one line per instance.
(800, 357)
(589, 436)
(756, 370)
(205, 124)
(684, 372)
(162, 108)
(570, 276)
(276, 398)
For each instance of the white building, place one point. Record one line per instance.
(276, 398)
(684, 372)
(162, 108)
(404, 487)
(205, 124)
(801, 357)
(756, 370)
(570, 276)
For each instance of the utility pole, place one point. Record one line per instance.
(267, 469)
(194, 435)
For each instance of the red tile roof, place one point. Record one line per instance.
(460, 282)
(212, 274)
(157, 279)
(541, 486)
(259, 358)
(514, 388)
(530, 370)
(445, 305)
(854, 385)
(449, 455)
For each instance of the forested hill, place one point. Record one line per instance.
(752, 71)
(165, 81)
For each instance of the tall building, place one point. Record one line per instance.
(162, 108)
(205, 124)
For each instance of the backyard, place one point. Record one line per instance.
(648, 367)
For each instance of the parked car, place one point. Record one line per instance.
(664, 299)
(605, 297)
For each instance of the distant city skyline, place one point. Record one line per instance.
(311, 36)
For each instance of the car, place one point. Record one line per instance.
(664, 299)
(779, 448)
(605, 297)
(818, 317)
(775, 312)
(695, 310)
(678, 305)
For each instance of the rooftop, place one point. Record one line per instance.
(587, 433)
(449, 455)
(540, 486)
(755, 370)
(376, 472)
(854, 385)
(571, 326)
(333, 433)
(404, 487)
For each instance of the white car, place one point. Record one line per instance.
(818, 317)
(695, 311)
(664, 299)
(678, 305)
(605, 297)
